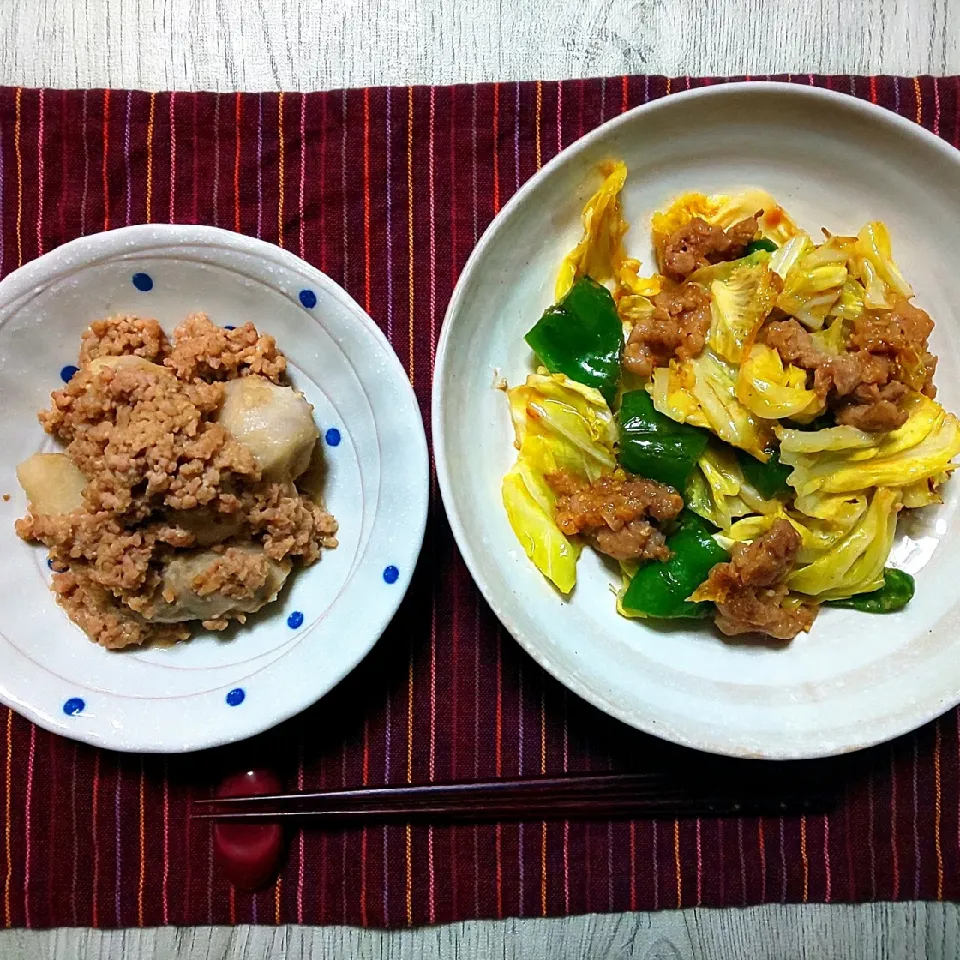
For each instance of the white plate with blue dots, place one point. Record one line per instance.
(215, 688)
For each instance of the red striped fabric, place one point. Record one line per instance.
(387, 191)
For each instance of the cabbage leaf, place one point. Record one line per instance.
(738, 307)
(771, 390)
(600, 253)
(847, 460)
(560, 425)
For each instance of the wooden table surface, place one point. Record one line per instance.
(320, 44)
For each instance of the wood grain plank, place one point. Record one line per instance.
(880, 931)
(312, 44)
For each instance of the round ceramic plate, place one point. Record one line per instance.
(831, 161)
(215, 688)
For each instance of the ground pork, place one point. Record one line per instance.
(124, 336)
(886, 357)
(697, 243)
(677, 328)
(611, 514)
(749, 589)
(202, 350)
(144, 437)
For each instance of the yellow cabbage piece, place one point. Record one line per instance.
(633, 293)
(738, 306)
(630, 281)
(814, 283)
(718, 492)
(831, 439)
(783, 259)
(923, 493)
(551, 552)
(724, 210)
(849, 304)
(710, 272)
(838, 509)
(853, 564)
(574, 418)
(559, 425)
(702, 392)
(846, 460)
(600, 251)
(879, 272)
(714, 388)
(771, 390)
(775, 224)
(671, 389)
(686, 207)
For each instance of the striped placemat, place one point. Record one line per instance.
(387, 191)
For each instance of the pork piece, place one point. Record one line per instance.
(886, 357)
(900, 338)
(832, 375)
(697, 243)
(749, 589)
(611, 514)
(874, 409)
(677, 328)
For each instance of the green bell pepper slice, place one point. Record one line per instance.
(582, 337)
(654, 446)
(762, 244)
(660, 588)
(770, 478)
(897, 591)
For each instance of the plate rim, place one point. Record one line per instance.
(884, 731)
(115, 244)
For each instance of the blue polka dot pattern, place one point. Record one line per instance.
(295, 620)
(68, 372)
(143, 282)
(332, 436)
(236, 696)
(308, 298)
(73, 706)
(391, 574)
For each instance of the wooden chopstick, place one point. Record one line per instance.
(575, 796)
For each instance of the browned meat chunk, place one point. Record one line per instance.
(886, 357)
(635, 540)
(677, 328)
(749, 589)
(839, 375)
(611, 514)
(697, 243)
(900, 338)
(874, 408)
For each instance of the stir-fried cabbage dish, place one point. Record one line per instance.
(740, 429)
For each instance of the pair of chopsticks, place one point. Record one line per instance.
(575, 796)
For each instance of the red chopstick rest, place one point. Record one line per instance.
(249, 854)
